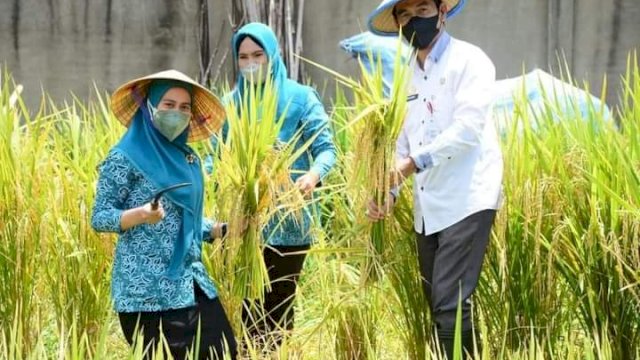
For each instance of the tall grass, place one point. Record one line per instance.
(406, 286)
(566, 250)
(53, 267)
(561, 278)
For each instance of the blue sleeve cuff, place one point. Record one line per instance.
(423, 161)
(321, 170)
(395, 192)
(207, 225)
(207, 164)
(108, 220)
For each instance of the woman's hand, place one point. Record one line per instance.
(307, 183)
(242, 228)
(151, 215)
(221, 230)
(145, 214)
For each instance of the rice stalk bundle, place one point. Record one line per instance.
(254, 185)
(376, 127)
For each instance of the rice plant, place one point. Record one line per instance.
(561, 278)
(406, 285)
(254, 186)
(374, 126)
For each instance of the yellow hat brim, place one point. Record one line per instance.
(208, 112)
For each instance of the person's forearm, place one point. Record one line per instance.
(132, 217)
(323, 163)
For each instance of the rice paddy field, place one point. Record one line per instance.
(561, 278)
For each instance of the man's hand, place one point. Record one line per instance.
(404, 168)
(376, 213)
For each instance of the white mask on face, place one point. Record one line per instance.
(254, 73)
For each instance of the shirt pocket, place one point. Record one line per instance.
(444, 103)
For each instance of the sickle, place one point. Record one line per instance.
(158, 195)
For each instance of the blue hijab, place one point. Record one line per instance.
(164, 163)
(265, 37)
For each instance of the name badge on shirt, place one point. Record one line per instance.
(413, 93)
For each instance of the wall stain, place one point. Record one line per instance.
(15, 25)
(85, 18)
(108, 19)
(615, 34)
(52, 16)
(164, 36)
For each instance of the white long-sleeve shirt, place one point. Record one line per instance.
(450, 135)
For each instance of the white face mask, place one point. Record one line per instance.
(170, 123)
(254, 73)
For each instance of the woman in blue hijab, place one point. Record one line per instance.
(257, 56)
(159, 283)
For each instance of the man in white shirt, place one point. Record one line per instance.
(449, 141)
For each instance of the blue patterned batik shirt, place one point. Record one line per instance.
(139, 280)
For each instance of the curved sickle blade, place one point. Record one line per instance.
(158, 195)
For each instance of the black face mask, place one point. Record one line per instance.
(421, 31)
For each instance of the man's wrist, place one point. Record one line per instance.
(421, 162)
(407, 167)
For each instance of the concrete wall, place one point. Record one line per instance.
(65, 45)
(595, 36)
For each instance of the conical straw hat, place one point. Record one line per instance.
(382, 21)
(208, 112)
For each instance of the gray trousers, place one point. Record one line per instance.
(450, 264)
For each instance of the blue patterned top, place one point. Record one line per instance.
(138, 280)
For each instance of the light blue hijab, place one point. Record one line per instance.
(265, 37)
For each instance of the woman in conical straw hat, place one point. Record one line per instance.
(159, 285)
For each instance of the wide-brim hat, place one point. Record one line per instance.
(382, 22)
(208, 112)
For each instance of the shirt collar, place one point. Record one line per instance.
(439, 47)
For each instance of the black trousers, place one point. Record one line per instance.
(284, 264)
(180, 327)
(450, 264)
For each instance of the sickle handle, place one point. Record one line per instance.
(156, 198)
